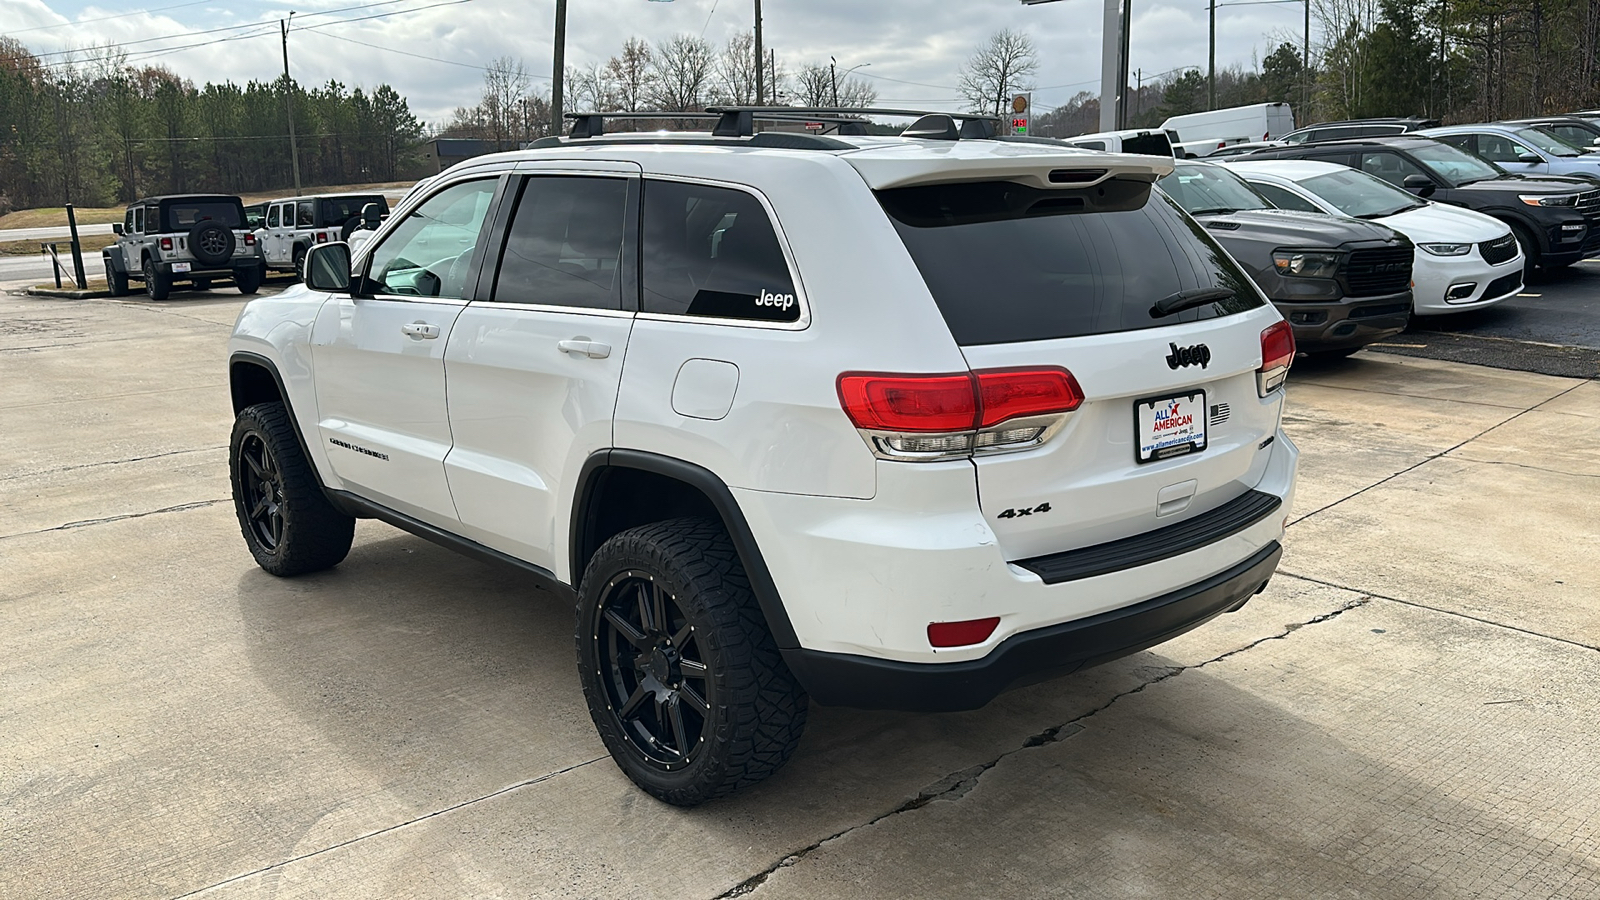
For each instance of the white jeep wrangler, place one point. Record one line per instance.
(887, 422)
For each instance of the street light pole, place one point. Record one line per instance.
(560, 67)
(288, 100)
(1211, 71)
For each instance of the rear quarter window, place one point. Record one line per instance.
(1006, 262)
(712, 252)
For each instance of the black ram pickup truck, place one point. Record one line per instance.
(1341, 283)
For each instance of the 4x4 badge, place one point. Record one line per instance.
(1199, 354)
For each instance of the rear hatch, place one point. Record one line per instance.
(1171, 424)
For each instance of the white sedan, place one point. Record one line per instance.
(1465, 260)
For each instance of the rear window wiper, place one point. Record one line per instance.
(1183, 300)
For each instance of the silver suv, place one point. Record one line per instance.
(182, 237)
(293, 225)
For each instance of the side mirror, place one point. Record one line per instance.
(116, 227)
(327, 268)
(1421, 185)
(1529, 158)
(371, 215)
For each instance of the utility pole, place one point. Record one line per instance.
(560, 66)
(1305, 70)
(1138, 92)
(761, 95)
(1211, 76)
(288, 100)
(833, 76)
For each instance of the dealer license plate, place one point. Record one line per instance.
(180, 267)
(1171, 426)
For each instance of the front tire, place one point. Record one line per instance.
(300, 262)
(682, 677)
(156, 284)
(288, 523)
(116, 282)
(1530, 251)
(248, 281)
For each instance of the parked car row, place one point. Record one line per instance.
(199, 238)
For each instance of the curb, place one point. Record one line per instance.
(66, 293)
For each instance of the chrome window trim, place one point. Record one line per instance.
(801, 323)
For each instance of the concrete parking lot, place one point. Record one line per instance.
(1408, 711)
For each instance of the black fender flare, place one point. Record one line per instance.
(117, 261)
(256, 359)
(722, 499)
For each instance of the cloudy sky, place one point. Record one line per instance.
(914, 48)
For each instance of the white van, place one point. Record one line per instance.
(1257, 122)
(1144, 141)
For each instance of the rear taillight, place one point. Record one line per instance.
(249, 239)
(928, 417)
(166, 243)
(322, 237)
(1277, 353)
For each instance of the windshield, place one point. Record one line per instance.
(1547, 142)
(1203, 189)
(1361, 195)
(1457, 165)
(1068, 265)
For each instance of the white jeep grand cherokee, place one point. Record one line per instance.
(892, 422)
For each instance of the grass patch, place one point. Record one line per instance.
(47, 216)
(92, 245)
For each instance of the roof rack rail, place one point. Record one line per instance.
(739, 121)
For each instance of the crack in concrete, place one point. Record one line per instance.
(1448, 612)
(111, 462)
(198, 504)
(388, 828)
(958, 784)
(1502, 462)
(1431, 458)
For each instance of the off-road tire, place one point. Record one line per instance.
(755, 709)
(349, 227)
(300, 251)
(116, 282)
(248, 281)
(211, 243)
(308, 534)
(156, 284)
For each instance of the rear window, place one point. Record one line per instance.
(337, 210)
(183, 215)
(1148, 144)
(1006, 262)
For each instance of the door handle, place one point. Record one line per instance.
(422, 331)
(591, 349)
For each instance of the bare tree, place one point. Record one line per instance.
(682, 68)
(818, 84)
(736, 71)
(505, 86)
(1001, 66)
(630, 76)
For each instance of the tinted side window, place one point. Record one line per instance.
(1391, 167)
(272, 217)
(564, 246)
(1092, 145)
(1501, 149)
(306, 214)
(127, 224)
(1006, 262)
(711, 251)
(1283, 198)
(138, 220)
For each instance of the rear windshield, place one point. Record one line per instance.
(185, 214)
(1006, 262)
(1148, 144)
(335, 210)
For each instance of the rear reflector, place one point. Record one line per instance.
(962, 634)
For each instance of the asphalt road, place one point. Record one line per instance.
(51, 232)
(1407, 711)
(1562, 307)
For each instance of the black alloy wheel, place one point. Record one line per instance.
(156, 285)
(652, 670)
(288, 522)
(116, 282)
(682, 678)
(263, 492)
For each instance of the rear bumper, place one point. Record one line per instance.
(841, 679)
(1353, 322)
(198, 271)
